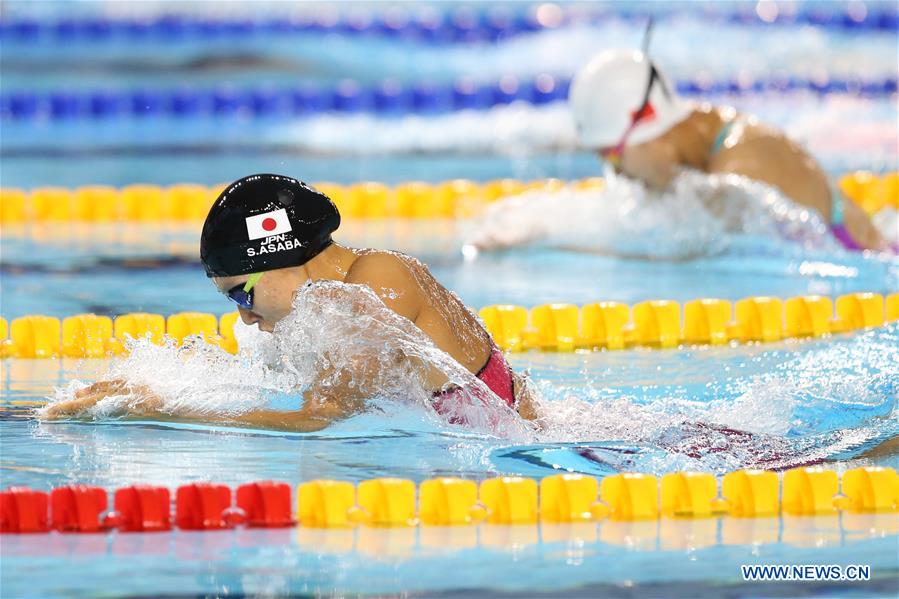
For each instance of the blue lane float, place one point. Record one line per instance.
(456, 25)
(386, 98)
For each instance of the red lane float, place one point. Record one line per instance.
(143, 508)
(23, 510)
(202, 506)
(266, 504)
(78, 508)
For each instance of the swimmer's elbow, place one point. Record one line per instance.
(306, 424)
(295, 421)
(299, 422)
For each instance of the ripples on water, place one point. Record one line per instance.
(701, 215)
(708, 408)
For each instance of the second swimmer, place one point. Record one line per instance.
(627, 112)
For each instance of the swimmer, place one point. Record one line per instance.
(627, 111)
(268, 235)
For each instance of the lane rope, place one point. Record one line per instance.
(391, 502)
(388, 98)
(458, 198)
(459, 25)
(655, 324)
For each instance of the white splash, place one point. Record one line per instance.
(197, 377)
(337, 336)
(338, 330)
(802, 403)
(505, 130)
(699, 215)
(887, 222)
(848, 131)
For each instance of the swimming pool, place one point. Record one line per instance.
(805, 401)
(828, 399)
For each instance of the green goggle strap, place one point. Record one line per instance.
(251, 282)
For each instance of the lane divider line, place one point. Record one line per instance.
(391, 502)
(661, 324)
(454, 26)
(388, 98)
(654, 324)
(457, 198)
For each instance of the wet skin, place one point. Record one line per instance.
(751, 149)
(404, 285)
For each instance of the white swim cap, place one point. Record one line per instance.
(606, 94)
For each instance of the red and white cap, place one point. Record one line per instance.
(610, 89)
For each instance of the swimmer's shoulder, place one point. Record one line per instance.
(752, 148)
(390, 275)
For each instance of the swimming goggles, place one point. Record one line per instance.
(242, 293)
(613, 154)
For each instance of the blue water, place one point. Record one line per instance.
(815, 401)
(554, 561)
(199, 147)
(324, 57)
(830, 400)
(61, 270)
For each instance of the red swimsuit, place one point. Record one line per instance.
(496, 374)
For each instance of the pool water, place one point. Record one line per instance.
(828, 401)
(560, 561)
(64, 269)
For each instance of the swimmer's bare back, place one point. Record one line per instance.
(765, 154)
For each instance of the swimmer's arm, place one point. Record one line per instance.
(314, 415)
(145, 404)
(811, 190)
(299, 421)
(291, 421)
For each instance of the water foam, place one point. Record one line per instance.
(195, 378)
(800, 403)
(700, 215)
(346, 331)
(504, 130)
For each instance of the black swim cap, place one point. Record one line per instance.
(264, 222)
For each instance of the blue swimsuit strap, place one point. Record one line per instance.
(837, 203)
(722, 135)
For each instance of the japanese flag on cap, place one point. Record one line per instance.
(268, 224)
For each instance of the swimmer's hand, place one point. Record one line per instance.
(862, 229)
(511, 222)
(498, 238)
(142, 402)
